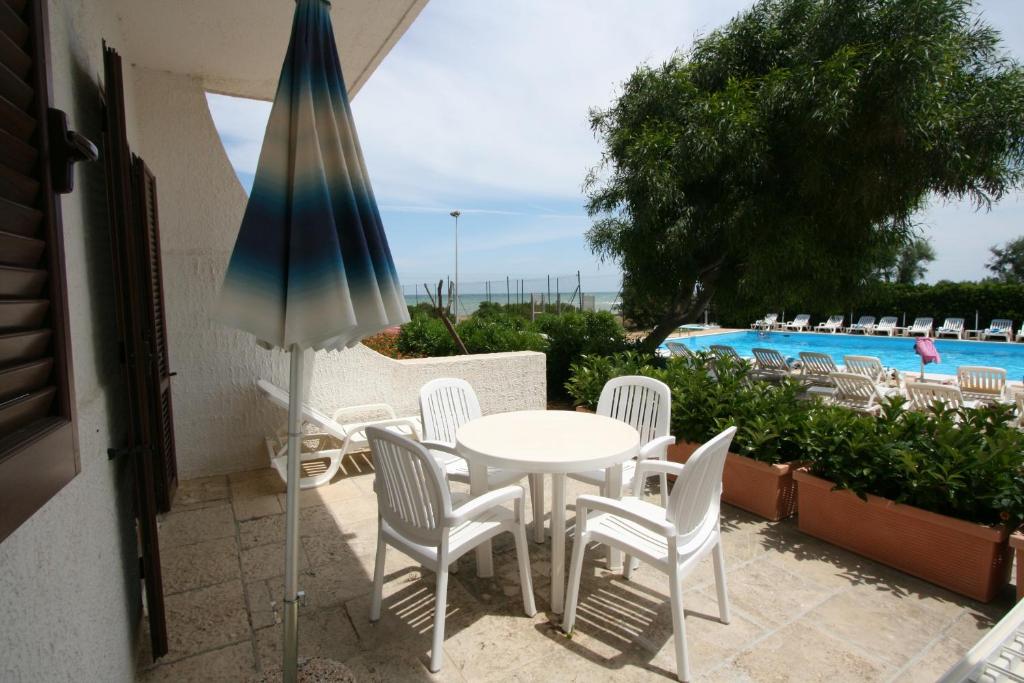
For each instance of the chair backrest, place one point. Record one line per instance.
(1001, 324)
(446, 404)
(866, 321)
(817, 363)
(802, 319)
(854, 388)
(887, 322)
(834, 321)
(869, 366)
(678, 349)
(724, 351)
(979, 379)
(411, 493)
(953, 324)
(922, 324)
(769, 359)
(643, 403)
(922, 395)
(696, 497)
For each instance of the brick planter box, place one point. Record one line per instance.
(967, 558)
(766, 490)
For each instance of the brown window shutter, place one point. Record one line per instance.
(37, 441)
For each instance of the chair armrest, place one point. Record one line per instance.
(658, 448)
(615, 507)
(651, 466)
(476, 506)
(383, 408)
(440, 446)
(360, 427)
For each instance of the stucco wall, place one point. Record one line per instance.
(219, 417)
(69, 575)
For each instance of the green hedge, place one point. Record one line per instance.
(939, 301)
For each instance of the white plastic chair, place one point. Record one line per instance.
(1001, 328)
(887, 326)
(833, 324)
(416, 517)
(869, 366)
(923, 395)
(645, 404)
(856, 392)
(981, 382)
(799, 323)
(921, 326)
(448, 403)
(817, 368)
(329, 438)
(673, 539)
(864, 325)
(769, 364)
(953, 327)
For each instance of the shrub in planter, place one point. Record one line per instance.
(590, 373)
(933, 494)
(573, 334)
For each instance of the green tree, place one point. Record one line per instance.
(1007, 262)
(908, 264)
(779, 156)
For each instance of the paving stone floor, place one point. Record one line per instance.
(802, 610)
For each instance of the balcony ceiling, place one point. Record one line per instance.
(236, 46)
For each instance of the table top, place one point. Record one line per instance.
(548, 441)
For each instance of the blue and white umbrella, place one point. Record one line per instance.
(311, 268)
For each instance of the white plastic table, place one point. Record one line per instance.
(555, 442)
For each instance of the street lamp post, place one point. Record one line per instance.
(455, 214)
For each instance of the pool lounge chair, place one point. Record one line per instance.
(817, 368)
(330, 438)
(1000, 327)
(1019, 396)
(723, 351)
(856, 392)
(769, 364)
(869, 366)
(864, 325)
(833, 324)
(886, 326)
(679, 349)
(981, 383)
(766, 323)
(921, 326)
(953, 327)
(1020, 334)
(923, 396)
(799, 323)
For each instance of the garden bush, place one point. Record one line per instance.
(574, 334)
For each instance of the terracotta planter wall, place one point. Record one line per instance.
(970, 559)
(766, 490)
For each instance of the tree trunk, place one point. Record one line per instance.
(685, 310)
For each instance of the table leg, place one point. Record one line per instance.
(557, 542)
(478, 487)
(614, 478)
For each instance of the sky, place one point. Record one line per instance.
(483, 107)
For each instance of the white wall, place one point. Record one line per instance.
(219, 417)
(69, 575)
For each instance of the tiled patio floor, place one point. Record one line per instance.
(802, 610)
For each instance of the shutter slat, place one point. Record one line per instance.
(18, 154)
(24, 283)
(23, 346)
(15, 121)
(16, 250)
(24, 378)
(17, 187)
(19, 412)
(22, 315)
(19, 219)
(15, 89)
(12, 24)
(13, 57)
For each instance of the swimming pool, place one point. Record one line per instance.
(895, 352)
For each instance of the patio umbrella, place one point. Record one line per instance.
(311, 268)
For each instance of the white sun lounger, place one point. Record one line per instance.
(856, 392)
(1000, 327)
(953, 327)
(766, 323)
(923, 395)
(818, 368)
(921, 326)
(769, 364)
(723, 351)
(833, 324)
(333, 437)
(869, 366)
(864, 325)
(799, 323)
(887, 326)
(980, 382)
(679, 349)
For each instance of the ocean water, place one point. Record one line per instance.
(895, 352)
(468, 303)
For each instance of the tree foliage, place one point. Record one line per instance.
(1007, 262)
(907, 264)
(786, 151)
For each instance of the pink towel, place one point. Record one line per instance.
(925, 348)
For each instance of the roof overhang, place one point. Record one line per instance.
(236, 47)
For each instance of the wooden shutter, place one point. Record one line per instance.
(155, 333)
(132, 324)
(38, 448)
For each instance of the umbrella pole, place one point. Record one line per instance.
(291, 579)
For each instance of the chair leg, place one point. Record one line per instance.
(664, 490)
(378, 578)
(679, 626)
(627, 568)
(537, 496)
(720, 585)
(525, 579)
(440, 607)
(579, 544)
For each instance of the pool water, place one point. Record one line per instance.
(895, 352)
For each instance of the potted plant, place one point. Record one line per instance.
(932, 494)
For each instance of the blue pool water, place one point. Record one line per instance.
(895, 352)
